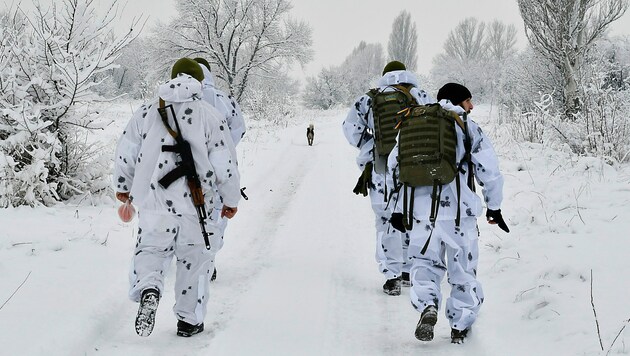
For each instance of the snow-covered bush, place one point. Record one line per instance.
(272, 101)
(605, 116)
(48, 62)
(529, 126)
(602, 126)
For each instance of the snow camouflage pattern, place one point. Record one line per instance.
(232, 118)
(391, 250)
(225, 104)
(358, 126)
(452, 249)
(168, 224)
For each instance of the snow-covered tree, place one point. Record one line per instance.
(563, 32)
(500, 40)
(465, 43)
(362, 68)
(131, 76)
(240, 39)
(326, 90)
(48, 62)
(526, 77)
(274, 101)
(464, 57)
(341, 85)
(403, 41)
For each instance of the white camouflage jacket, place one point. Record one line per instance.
(225, 104)
(359, 124)
(487, 175)
(140, 163)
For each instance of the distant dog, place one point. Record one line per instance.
(310, 134)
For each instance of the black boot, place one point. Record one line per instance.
(392, 286)
(187, 330)
(458, 336)
(428, 319)
(405, 279)
(214, 275)
(145, 319)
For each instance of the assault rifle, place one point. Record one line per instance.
(186, 168)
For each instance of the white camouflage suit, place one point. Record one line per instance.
(168, 223)
(358, 127)
(452, 249)
(232, 118)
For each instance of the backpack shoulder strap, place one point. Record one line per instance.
(406, 89)
(459, 122)
(372, 92)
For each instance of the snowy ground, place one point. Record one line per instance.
(297, 276)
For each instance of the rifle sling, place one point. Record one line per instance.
(180, 171)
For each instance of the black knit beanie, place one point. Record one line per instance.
(392, 66)
(454, 92)
(187, 66)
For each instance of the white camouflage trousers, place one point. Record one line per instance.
(454, 250)
(160, 237)
(391, 244)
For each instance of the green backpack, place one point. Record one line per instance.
(386, 109)
(427, 153)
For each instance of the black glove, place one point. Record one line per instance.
(495, 217)
(365, 181)
(397, 222)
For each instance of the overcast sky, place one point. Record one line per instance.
(339, 25)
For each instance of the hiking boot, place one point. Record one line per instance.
(405, 279)
(145, 319)
(428, 319)
(458, 336)
(214, 275)
(187, 330)
(392, 286)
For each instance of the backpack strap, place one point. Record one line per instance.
(468, 155)
(436, 194)
(406, 89)
(408, 207)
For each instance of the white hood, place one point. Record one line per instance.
(208, 78)
(446, 104)
(398, 77)
(181, 89)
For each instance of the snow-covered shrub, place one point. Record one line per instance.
(272, 101)
(605, 115)
(602, 126)
(48, 63)
(531, 125)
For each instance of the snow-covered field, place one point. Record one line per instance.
(297, 274)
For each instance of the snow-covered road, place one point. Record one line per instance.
(297, 275)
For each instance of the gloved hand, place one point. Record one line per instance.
(495, 217)
(365, 181)
(397, 222)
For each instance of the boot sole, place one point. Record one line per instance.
(424, 329)
(145, 319)
(393, 292)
